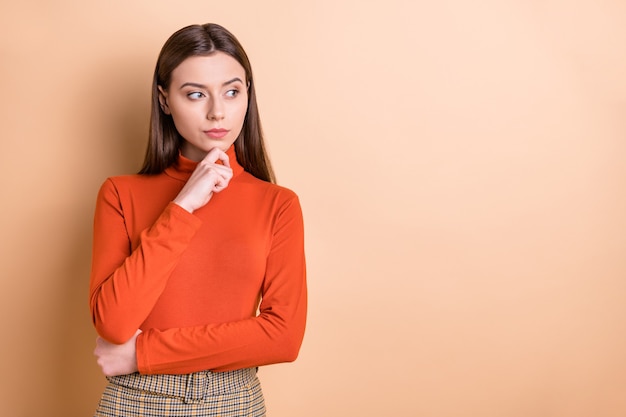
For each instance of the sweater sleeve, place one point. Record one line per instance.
(125, 284)
(273, 336)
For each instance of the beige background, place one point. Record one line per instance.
(461, 167)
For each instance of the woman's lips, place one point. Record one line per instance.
(216, 133)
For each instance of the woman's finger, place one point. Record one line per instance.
(215, 155)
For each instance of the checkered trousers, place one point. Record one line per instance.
(200, 394)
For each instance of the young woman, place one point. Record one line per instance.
(198, 271)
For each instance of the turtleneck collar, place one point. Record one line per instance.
(183, 167)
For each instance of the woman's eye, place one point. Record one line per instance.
(195, 95)
(232, 93)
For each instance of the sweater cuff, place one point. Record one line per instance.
(179, 213)
(142, 359)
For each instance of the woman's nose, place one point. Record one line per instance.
(216, 110)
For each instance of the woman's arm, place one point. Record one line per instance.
(125, 284)
(274, 336)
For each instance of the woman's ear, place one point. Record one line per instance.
(163, 100)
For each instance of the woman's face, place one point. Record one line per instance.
(207, 97)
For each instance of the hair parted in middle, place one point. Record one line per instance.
(164, 141)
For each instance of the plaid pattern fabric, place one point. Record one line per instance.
(200, 394)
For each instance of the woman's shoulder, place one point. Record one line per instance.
(134, 179)
(129, 184)
(267, 187)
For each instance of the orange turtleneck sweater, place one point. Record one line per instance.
(192, 282)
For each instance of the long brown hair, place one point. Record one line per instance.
(164, 140)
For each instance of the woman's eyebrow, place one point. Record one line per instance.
(197, 85)
(233, 81)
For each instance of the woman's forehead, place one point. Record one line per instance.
(215, 69)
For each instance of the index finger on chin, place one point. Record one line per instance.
(216, 154)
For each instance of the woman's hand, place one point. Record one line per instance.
(209, 177)
(117, 359)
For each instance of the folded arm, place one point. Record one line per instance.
(125, 284)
